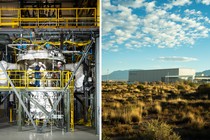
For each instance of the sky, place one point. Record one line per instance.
(155, 34)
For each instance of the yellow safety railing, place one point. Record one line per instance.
(28, 79)
(48, 17)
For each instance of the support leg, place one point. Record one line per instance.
(72, 107)
(67, 111)
(19, 114)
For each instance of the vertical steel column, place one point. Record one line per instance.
(67, 110)
(19, 122)
(85, 84)
(10, 115)
(98, 12)
(76, 17)
(72, 105)
(0, 16)
(98, 87)
(6, 54)
(91, 109)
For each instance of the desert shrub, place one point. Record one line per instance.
(166, 111)
(194, 121)
(188, 118)
(130, 99)
(180, 87)
(155, 109)
(140, 87)
(116, 105)
(105, 114)
(107, 84)
(123, 129)
(204, 90)
(135, 114)
(105, 137)
(122, 119)
(158, 107)
(116, 118)
(192, 84)
(144, 112)
(135, 118)
(198, 123)
(157, 130)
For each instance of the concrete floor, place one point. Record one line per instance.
(10, 132)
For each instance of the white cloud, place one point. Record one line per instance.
(107, 5)
(109, 46)
(119, 33)
(150, 6)
(193, 12)
(133, 3)
(159, 26)
(181, 2)
(176, 59)
(206, 2)
(177, 3)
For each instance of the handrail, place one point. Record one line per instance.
(48, 17)
(26, 79)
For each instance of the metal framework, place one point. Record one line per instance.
(52, 18)
(71, 27)
(66, 88)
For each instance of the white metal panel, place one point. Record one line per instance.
(186, 72)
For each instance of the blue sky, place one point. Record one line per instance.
(154, 34)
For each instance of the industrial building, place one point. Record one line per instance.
(49, 69)
(164, 75)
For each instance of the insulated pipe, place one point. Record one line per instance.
(13, 66)
(7, 66)
(79, 76)
(10, 66)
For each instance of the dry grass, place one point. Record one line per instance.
(157, 130)
(105, 114)
(158, 107)
(194, 121)
(127, 107)
(136, 115)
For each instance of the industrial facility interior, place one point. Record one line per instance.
(49, 69)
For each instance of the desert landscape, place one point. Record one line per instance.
(155, 111)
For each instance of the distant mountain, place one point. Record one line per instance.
(206, 73)
(120, 75)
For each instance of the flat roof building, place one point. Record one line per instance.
(164, 75)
